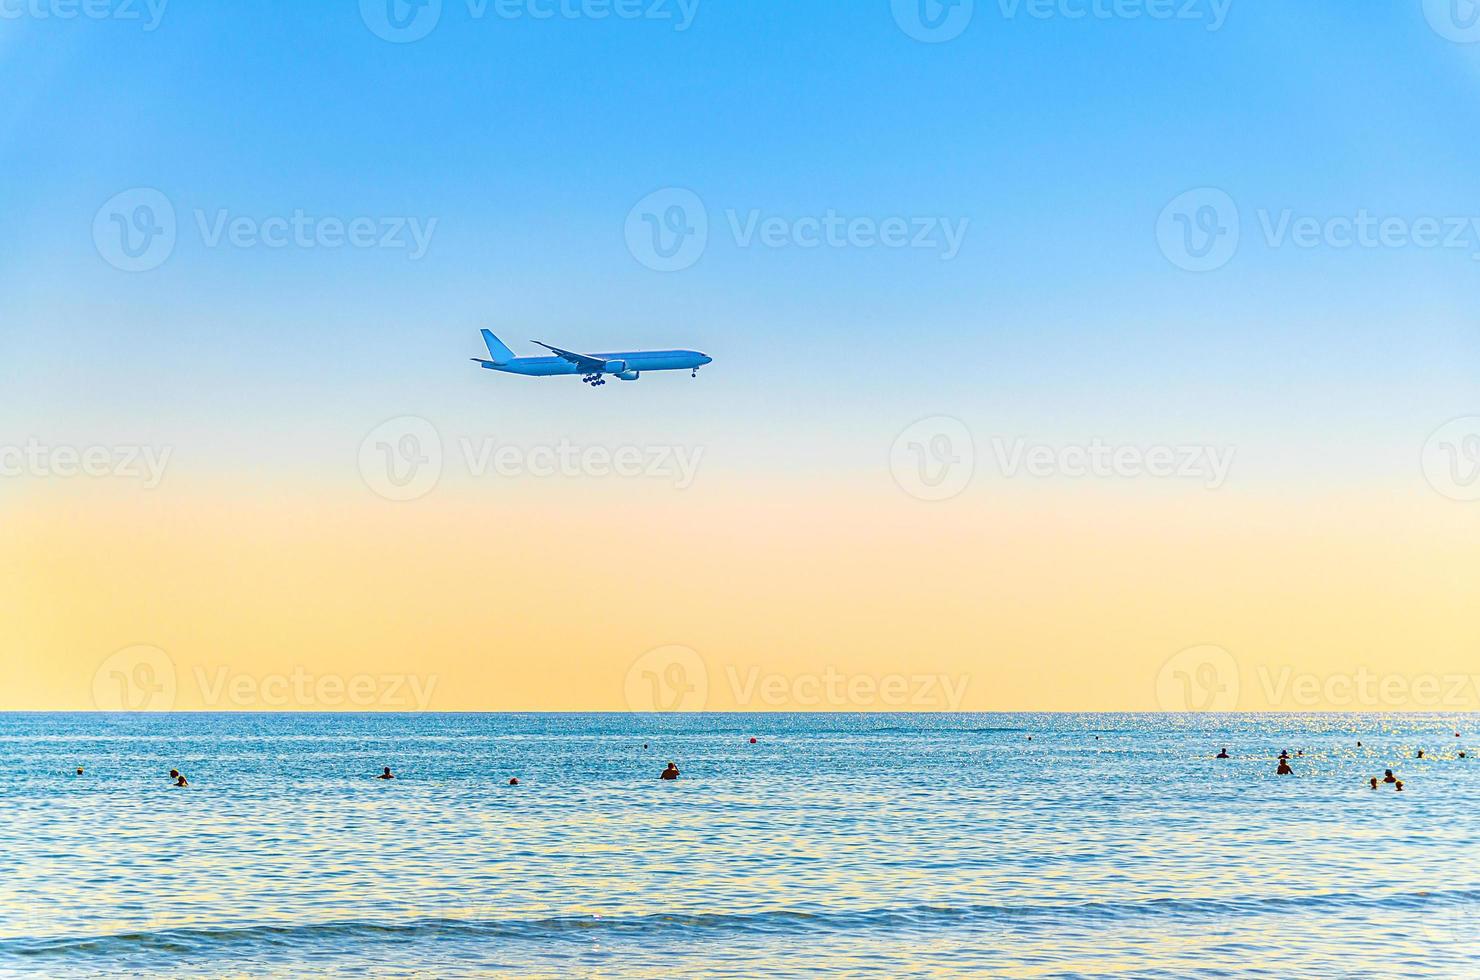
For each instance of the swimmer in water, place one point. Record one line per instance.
(386, 774)
(670, 773)
(174, 774)
(79, 770)
(1223, 754)
(1374, 782)
(1420, 753)
(514, 781)
(1399, 786)
(1284, 769)
(1388, 777)
(1284, 753)
(180, 781)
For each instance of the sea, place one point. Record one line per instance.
(792, 845)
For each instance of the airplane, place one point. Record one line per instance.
(593, 368)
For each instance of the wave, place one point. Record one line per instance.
(185, 941)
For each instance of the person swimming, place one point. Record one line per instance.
(1223, 754)
(1388, 777)
(181, 781)
(1374, 782)
(1284, 769)
(386, 774)
(174, 774)
(514, 781)
(1398, 786)
(670, 773)
(79, 770)
(1420, 753)
(1284, 753)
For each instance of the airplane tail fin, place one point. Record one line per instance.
(497, 349)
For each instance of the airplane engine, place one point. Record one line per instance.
(627, 376)
(615, 367)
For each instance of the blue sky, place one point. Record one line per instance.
(1055, 142)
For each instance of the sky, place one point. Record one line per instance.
(1068, 355)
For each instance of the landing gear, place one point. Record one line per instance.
(594, 380)
(695, 374)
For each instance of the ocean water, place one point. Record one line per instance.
(835, 846)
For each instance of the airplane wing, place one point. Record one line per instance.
(585, 362)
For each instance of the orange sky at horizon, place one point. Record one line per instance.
(760, 594)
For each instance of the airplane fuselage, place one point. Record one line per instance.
(617, 362)
(594, 369)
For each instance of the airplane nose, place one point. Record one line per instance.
(707, 358)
